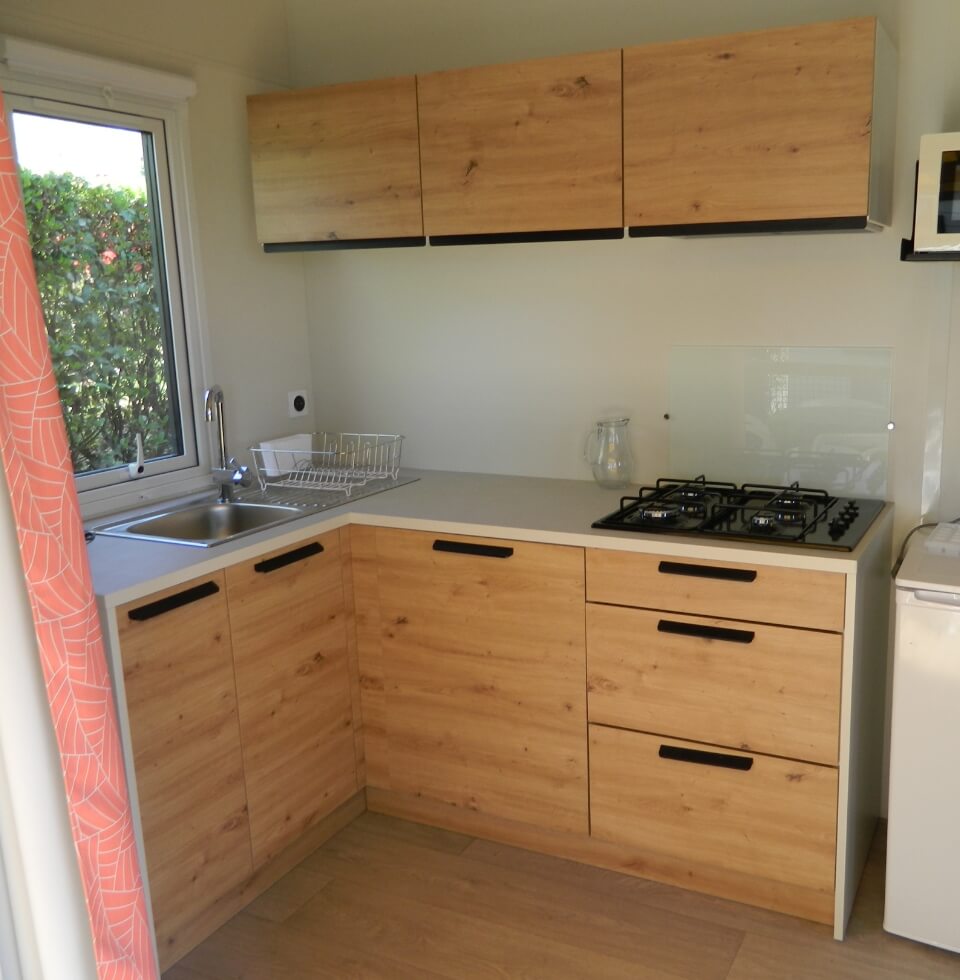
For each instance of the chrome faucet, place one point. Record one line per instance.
(228, 473)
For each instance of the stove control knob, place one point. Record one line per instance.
(836, 528)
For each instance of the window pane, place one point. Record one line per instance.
(92, 211)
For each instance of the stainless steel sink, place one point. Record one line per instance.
(205, 524)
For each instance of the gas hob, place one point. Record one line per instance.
(792, 515)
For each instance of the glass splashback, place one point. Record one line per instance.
(814, 415)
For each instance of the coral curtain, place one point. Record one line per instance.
(33, 444)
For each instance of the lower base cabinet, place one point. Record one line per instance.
(757, 828)
(288, 620)
(184, 727)
(698, 741)
(239, 703)
(483, 662)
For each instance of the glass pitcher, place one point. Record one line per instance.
(608, 452)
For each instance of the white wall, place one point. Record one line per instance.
(497, 358)
(253, 306)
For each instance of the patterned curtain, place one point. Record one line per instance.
(33, 447)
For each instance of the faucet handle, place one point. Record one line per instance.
(137, 467)
(241, 476)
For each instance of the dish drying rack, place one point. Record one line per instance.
(327, 460)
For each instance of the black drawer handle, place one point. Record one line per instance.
(708, 571)
(171, 602)
(468, 548)
(742, 762)
(288, 558)
(705, 632)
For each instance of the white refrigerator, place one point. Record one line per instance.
(923, 842)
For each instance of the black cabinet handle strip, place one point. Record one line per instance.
(705, 632)
(468, 548)
(288, 558)
(508, 237)
(707, 571)
(742, 762)
(169, 603)
(340, 244)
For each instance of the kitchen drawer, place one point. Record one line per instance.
(764, 833)
(748, 686)
(731, 590)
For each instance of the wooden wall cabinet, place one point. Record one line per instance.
(338, 163)
(182, 707)
(784, 129)
(778, 126)
(288, 620)
(483, 700)
(527, 147)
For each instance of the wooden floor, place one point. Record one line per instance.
(386, 898)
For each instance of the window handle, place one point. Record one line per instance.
(136, 468)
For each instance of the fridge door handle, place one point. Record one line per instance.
(931, 597)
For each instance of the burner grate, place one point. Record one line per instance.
(754, 512)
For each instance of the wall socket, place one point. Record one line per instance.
(297, 404)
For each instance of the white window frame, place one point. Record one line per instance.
(38, 78)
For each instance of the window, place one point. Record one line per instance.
(100, 186)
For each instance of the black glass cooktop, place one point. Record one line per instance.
(753, 512)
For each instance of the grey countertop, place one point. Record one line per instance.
(522, 508)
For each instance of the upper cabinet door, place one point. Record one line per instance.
(767, 126)
(528, 147)
(336, 163)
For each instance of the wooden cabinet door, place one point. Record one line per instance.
(729, 590)
(755, 828)
(290, 651)
(484, 664)
(765, 126)
(338, 162)
(743, 685)
(527, 147)
(182, 707)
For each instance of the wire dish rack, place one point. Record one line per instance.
(327, 460)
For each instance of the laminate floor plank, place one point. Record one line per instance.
(763, 958)
(386, 898)
(248, 948)
(288, 895)
(555, 912)
(552, 869)
(179, 971)
(457, 944)
(644, 892)
(434, 838)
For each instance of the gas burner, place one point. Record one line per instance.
(660, 513)
(792, 516)
(789, 499)
(764, 520)
(689, 493)
(694, 508)
(770, 520)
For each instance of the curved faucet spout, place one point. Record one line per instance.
(228, 473)
(213, 411)
(212, 397)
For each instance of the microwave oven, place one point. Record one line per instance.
(936, 226)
